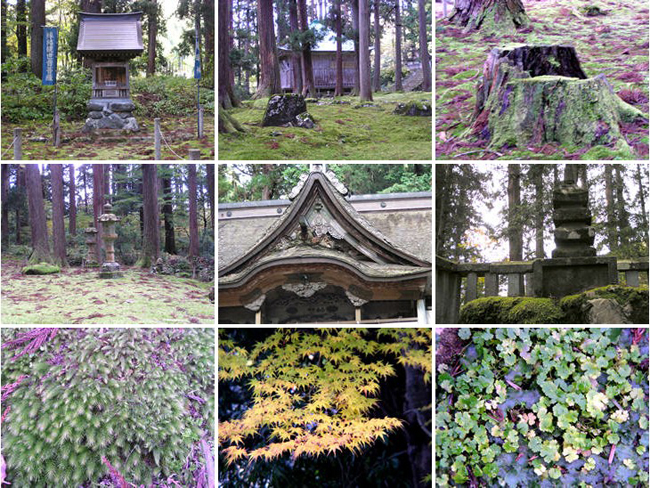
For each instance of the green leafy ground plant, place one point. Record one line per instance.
(544, 407)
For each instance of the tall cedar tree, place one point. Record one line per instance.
(21, 27)
(151, 236)
(365, 87)
(37, 222)
(151, 44)
(72, 225)
(5, 195)
(308, 86)
(424, 47)
(226, 94)
(21, 186)
(98, 205)
(194, 226)
(295, 61)
(398, 47)
(623, 217)
(58, 220)
(515, 232)
(4, 49)
(338, 89)
(612, 241)
(538, 181)
(269, 66)
(644, 216)
(355, 38)
(209, 169)
(170, 240)
(37, 14)
(376, 75)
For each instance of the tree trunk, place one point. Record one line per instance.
(98, 205)
(338, 89)
(295, 60)
(308, 87)
(492, 16)
(270, 69)
(119, 179)
(4, 50)
(623, 216)
(355, 38)
(194, 226)
(209, 168)
(58, 219)
(153, 33)
(170, 240)
(526, 98)
(227, 98)
(538, 180)
(37, 14)
(21, 27)
(151, 241)
(365, 93)
(84, 169)
(644, 216)
(72, 224)
(376, 75)
(417, 395)
(424, 47)
(398, 47)
(208, 21)
(37, 222)
(612, 239)
(21, 186)
(515, 233)
(106, 177)
(5, 210)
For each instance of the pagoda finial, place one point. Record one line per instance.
(317, 167)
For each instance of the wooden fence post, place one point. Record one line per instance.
(156, 138)
(18, 144)
(195, 154)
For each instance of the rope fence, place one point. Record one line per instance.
(158, 136)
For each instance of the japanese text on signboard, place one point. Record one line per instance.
(50, 47)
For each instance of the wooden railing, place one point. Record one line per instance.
(519, 276)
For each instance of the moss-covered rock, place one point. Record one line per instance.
(511, 310)
(631, 303)
(413, 108)
(41, 269)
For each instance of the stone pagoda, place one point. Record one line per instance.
(575, 266)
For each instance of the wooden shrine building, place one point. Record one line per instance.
(323, 56)
(108, 42)
(324, 257)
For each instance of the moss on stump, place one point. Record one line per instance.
(534, 95)
(41, 269)
(632, 303)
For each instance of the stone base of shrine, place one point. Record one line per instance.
(111, 270)
(112, 114)
(559, 277)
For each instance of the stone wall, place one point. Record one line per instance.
(116, 114)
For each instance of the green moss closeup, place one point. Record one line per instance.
(41, 269)
(140, 399)
(535, 311)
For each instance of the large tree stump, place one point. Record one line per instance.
(491, 16)
(533, 95)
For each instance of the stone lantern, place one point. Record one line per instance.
(91, 242)
(110, 269)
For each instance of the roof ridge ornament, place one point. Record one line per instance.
(318, 168)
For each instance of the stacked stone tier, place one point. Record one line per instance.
(574, 235)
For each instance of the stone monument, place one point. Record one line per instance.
(110, 269)
(91, 242)
(574, 267)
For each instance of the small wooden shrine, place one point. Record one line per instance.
(109, 41)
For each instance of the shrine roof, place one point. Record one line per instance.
(110, 34)
(393, 231)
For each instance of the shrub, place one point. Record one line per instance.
(141, 398)
(168, 95)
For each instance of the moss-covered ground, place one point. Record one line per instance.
(615, 45)
(78, 296)
(179, 132)
(342, 132)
